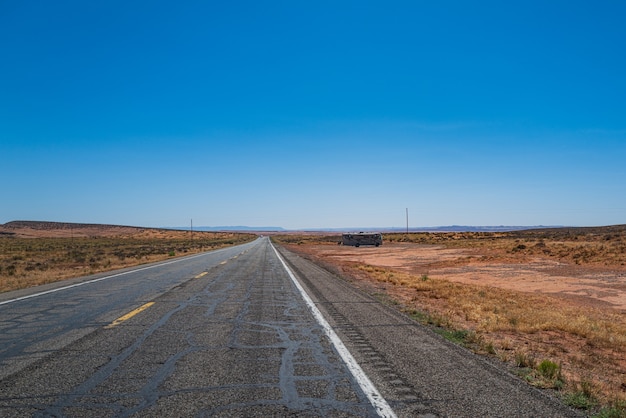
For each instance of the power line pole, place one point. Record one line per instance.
(407, 220)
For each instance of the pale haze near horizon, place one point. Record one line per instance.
(321, 115)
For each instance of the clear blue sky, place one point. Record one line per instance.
(313, 114)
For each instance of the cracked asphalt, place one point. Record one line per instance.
(237, 341)
(226, 334)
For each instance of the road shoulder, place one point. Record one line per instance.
(417, 371)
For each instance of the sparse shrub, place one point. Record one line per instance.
(524, 359)
(580, 399)
(424, 277)
(506, 344)
(558, 384)
(616, 410)
(549, 369)
(11, 269)
(583, 397)
(439, 321)
(456, 336)
(418, 316)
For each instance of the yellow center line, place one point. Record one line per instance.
(223, 262)
(129, 315)
(204, 273)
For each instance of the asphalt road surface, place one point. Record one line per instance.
(228, 333)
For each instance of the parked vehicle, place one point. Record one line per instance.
(362, 238)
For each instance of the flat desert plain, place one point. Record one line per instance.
(527, 298)
(34, 253)
(584, 285)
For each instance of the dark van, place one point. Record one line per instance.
(362, 238)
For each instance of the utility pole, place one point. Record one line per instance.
(407, 220)
(191, 230)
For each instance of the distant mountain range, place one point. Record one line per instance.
(450, 228)
(67, 226)
(71, 227)
(230, 228)
(35, 229)
(454, 228)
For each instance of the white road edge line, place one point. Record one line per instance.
(376, 399)
(34, 295)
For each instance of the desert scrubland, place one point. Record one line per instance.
(550, 304)
(35, 253)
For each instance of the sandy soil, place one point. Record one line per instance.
(597, 288)
(592, 286)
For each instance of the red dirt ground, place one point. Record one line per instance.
(590, 285)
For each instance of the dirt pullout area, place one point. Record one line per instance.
(591, 286)
(534, 302)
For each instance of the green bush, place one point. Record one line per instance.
(583, 397)
(549, 369)
(579, 400)
(617, 410)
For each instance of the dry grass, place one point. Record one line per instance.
(583, 246)
(492, 310)
(552, 342)
(26, 262)
(588, 344)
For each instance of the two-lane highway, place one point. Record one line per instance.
(228, 336)
(36, 322)
(229, 333)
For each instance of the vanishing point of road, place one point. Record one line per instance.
(245, 331)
